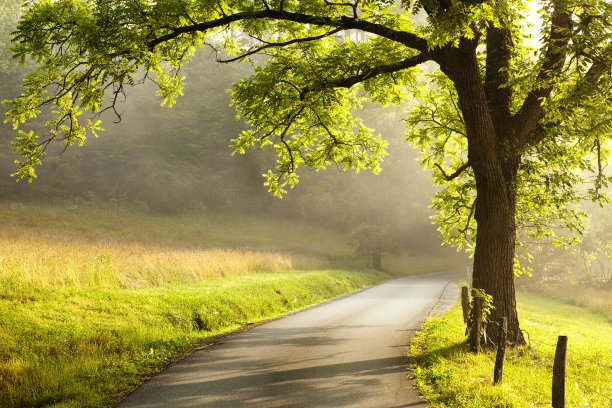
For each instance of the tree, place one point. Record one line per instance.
(371, 240)
(509, 129)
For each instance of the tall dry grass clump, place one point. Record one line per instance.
(46, 257)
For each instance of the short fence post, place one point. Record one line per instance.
(465, 303)
(476, 329)
(558, 384)
(498, 373)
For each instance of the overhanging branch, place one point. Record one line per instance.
(582, 91)
(279, 44)
(372, 72)
(407, 38)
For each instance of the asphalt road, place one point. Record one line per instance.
(349, 352)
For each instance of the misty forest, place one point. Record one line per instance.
(172, 171)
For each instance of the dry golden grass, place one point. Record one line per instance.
(599, 300)
(47, 257)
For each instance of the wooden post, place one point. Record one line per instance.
(558, 384)
(465, 303)
(476, 329)
(498, 372)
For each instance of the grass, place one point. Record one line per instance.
(92, 232)
(450, 376)
(72, 347)
(230, 231)
(93, 300)
(51, 258)
(596, 299)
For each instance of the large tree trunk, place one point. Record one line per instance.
(495, 168)
(494, 258)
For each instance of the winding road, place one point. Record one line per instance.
(348, 352)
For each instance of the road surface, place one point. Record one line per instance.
(349, 352)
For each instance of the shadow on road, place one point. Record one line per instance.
(294, 384)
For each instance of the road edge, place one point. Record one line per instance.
(119, 397)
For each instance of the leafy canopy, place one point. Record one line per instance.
(316, 62)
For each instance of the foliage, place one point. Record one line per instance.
(449, 375)
(9, 16)
(308, 118)
(554, 176)
(177, 160)
(486, 306)
(437, 128)
(585, 264)
(154, 147)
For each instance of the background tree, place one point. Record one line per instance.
(524, 126)
(372, 241)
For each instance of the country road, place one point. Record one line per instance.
(349, 352)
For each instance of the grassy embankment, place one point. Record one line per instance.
(91, 299)
(450, 376)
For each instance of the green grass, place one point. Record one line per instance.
(67, 347)
(93, 300)
(450, 376)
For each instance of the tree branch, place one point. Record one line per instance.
(582, 91)
(457, 172)
(284, 133)
(526, 119)
(599, 165)
(372, 72)
(499, 46)
(406, 38)
(279, 44)
(464, 231)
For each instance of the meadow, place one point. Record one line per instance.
(597, 299)
(95, 299)
(450, 376)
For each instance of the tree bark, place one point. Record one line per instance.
(494, 259)
(495, 167)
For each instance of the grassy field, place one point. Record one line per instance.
(596, 299)
(450, 376)
(97, 237)
(42, 258)
(92, 300)
(104, 225)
